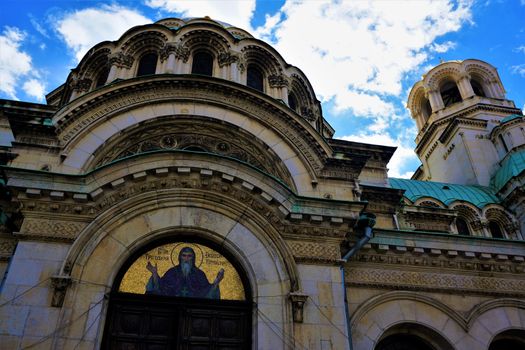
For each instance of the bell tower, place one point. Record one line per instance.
(466, 126)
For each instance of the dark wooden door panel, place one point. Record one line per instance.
(160, 323)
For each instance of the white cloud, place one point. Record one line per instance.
(353, 49)
(518, 69)
(14, 63)
(520, 48)
(236, 13)
(83, 29)
(403, 158)
(38, 27)
(34, 88)
(441, 48)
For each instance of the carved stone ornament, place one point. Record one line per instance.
(182, 52)
(226, 58)
(277, 80)
(308, 113)
(298, 299)
(166, 50)
(60, 284)
(81, 85)
(121, 60)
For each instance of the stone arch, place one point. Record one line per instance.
(470, 214)
(490, 318)
(305, 100)
(429, 202)
(446, 71)
(151, 216)
(94, 61)
(169, 133)
(380, 313)
(213, 41)
(419, 105)
(484, 74)
(254, 53)
(302, 150)
(502, 218)
(138, 40)
(418, 335)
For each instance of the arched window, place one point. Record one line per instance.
(202, 64)
(450, 93)
(255, 78)
(102, 78)
(462, 227)
(292, 101)
(478, 88)
(147, 64)
(495, 230)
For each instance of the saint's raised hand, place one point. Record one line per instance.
(151, 268)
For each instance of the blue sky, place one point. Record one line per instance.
(362, 57)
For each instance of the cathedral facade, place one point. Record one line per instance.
(182, 190)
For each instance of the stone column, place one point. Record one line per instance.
(228, 64)
(496, 89)
(465, 88)
(120, 65)
(279, 85)
(167, 57)
(80, 87)
(434, 97)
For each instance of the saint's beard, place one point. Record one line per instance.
(186, 268)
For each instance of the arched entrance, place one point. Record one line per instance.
(180, 293)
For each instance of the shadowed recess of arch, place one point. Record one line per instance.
(412, 336)
(187, 133)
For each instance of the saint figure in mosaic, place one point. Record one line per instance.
(184, 280)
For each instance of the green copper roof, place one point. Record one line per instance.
(512, 165)
(511, 117)
(444, 192)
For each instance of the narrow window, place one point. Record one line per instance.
(102, 78)
(255, 78)
(426, 109)
(495, 230)
(202, 64)
(462, 227)
(147, 64)
(500, 137)
(292, 102)
(478, 88)
(450, 93)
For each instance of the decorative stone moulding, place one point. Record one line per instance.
(298, 299)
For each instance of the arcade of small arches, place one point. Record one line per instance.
(450, 83)
(199, 46)
(492, 221)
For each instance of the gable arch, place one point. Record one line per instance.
(451, 71)
(147, 37)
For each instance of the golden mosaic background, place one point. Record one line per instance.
(166, 256)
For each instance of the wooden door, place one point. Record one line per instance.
(149, 322)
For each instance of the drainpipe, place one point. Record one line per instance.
(364, 227)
